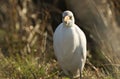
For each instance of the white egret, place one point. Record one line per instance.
(69, 43)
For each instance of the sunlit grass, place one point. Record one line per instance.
(30, 67)
(42, 66)
(22, 68)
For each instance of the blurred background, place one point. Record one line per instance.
(26, 32)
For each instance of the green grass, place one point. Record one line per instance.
(22, 68)
(30, 67)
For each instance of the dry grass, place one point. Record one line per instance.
(32, 67)
(26, 50)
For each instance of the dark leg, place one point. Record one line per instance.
(80, 74)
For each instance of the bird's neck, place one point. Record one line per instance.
(68, 25)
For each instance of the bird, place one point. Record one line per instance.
(70, 45)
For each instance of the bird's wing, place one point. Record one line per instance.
(82, 40)
(64, 43)
(57, 41)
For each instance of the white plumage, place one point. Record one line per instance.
(69, 44)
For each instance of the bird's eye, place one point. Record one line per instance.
(70, 17)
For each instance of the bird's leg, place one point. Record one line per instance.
(77, 74)
(68, 73)
(71, 75)
(80, 74)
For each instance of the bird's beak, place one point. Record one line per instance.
(66, 19)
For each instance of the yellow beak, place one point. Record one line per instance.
(66, 18)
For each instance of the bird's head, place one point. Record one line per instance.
(68, 18)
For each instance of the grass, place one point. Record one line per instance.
(35, 65)
(22, 68)
(30, 67)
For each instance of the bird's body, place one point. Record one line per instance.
(69, 43)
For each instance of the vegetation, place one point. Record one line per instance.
(29, 67)
(26, 52)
